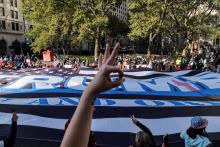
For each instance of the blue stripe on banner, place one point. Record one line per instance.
(201, 93)
(69, 101)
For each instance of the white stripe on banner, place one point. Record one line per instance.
(162, 126)
(140, 73)
(33, 120)
(69, 101)
(147, 73)
(88, 72)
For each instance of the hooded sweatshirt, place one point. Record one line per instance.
(199, 141)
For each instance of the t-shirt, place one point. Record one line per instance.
(199, 141)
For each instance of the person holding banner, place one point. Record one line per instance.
(144, 137)
(196, 135)
(10, 140)
(78, 131)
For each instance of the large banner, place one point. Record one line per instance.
(165, 102)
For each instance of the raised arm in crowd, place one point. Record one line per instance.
(9, 141)
(78, 131)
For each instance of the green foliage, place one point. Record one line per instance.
(52, 24)
(95, 24)
(65, 23)
(144, 17)
(177, 20)
(215, 32)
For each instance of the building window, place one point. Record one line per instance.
(21, 27)
(3, 25)
(16, 3)
(13, 26)
(16, 15)
(12, 13)
(11, 2)
(2, 12)
(17, 26)
(1, 1)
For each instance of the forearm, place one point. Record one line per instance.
(77, 134)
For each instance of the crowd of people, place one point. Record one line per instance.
(207, 60)
(20, 61)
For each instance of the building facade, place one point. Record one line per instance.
(122, 11)
(11, 27)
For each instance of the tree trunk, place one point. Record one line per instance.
(64, 51)
(150, 43)
(162, 44)
(97, 40)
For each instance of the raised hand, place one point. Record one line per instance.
(14, 117)
(77, 133)
(102, 81)
(134, 119)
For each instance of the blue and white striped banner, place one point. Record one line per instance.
(165, 102)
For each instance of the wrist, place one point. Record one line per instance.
(89, 92)
(89, 96)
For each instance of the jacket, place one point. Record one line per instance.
(199, 141)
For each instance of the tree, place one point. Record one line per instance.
(94, 20)
(176, 20)
(188, 18)
(67, 22)
(52, 24)
(147, 19)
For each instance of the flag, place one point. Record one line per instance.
(163, 101)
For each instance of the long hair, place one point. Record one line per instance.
(143, 140)
(194, 132)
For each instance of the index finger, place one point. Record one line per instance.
(107, 52)
(114, 53)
